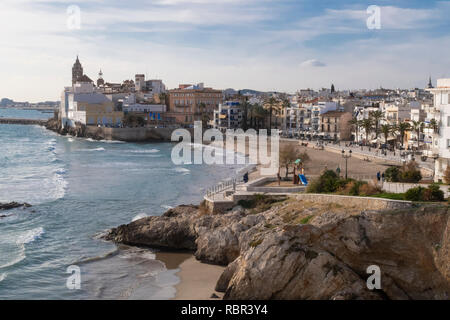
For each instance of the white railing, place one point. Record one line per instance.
(223, 186)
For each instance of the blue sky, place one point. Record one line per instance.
(281, 45)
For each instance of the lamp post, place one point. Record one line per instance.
(346, 157)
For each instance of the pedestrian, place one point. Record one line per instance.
(378, 176)
(382, 177)
(246, 177)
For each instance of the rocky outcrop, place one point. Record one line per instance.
(13, 205)
(304, 250)
(79, 130)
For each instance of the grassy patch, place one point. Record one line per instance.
(306, 220)
(260, 202)
(255, 243)
(391, 196)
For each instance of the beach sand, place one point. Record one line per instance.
(197, 280)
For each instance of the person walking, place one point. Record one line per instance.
(378, 176)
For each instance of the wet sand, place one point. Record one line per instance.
(197, 280)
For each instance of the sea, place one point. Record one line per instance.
(78, 189)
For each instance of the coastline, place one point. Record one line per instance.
(197, 280)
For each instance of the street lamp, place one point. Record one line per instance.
(346, 157)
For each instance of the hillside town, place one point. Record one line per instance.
(405, 122)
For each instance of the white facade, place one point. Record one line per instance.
(228, 116)
(144, 108)
(442, 103)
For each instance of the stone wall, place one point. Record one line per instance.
(395, 187)
(140, 134)
(367, 203)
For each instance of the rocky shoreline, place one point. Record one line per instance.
(290, 249)
(78, 131)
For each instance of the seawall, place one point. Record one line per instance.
(23, 121)
(140, 134)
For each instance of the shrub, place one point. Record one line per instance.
(369, 189)
(410, 173)
(433, 193)
(260, 202)
(392, 174)
(415, 194)
(328, 182)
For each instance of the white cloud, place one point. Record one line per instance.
(38, 50)
(312, 63)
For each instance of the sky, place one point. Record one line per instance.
(269, 45)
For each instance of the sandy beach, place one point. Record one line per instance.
(197, 280)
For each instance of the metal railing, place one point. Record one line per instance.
(223, 186)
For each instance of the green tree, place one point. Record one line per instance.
(355, 125)
(402, 128)
(245, 110)
(434, 125)
(367, 124)
(271, 102)
(417, 127)
(386, 130)
(376, 116)
(288, 154)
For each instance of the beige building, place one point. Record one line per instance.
(335, 124)
(191, 103)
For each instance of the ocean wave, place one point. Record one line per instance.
(97, 258)
(111, 141)
(139, 216)
(90, 150)
(16, 260)
(30, 236)
(167, 207)
(2, 276)
(183, 171)
(145, 151)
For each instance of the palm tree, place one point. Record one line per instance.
(434, 125)
(376, 117)
(367, 124)
(417, 127)
(355, 123)
(286, 104)
(402, 128)
(386, 129)
(272, 101)
(245, 109)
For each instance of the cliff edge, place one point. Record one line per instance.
(290, 249)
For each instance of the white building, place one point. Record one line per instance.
(228, 116)
(82, 104)
(442, 102)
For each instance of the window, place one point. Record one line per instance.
(448, 143)
(448, 121)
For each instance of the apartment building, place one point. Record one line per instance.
(191, 103)
(441, 97)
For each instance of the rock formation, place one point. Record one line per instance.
(304, 250)
(13, 205)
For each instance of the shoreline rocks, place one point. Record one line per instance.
(304, 250)
(13, 205)
(79, 131)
